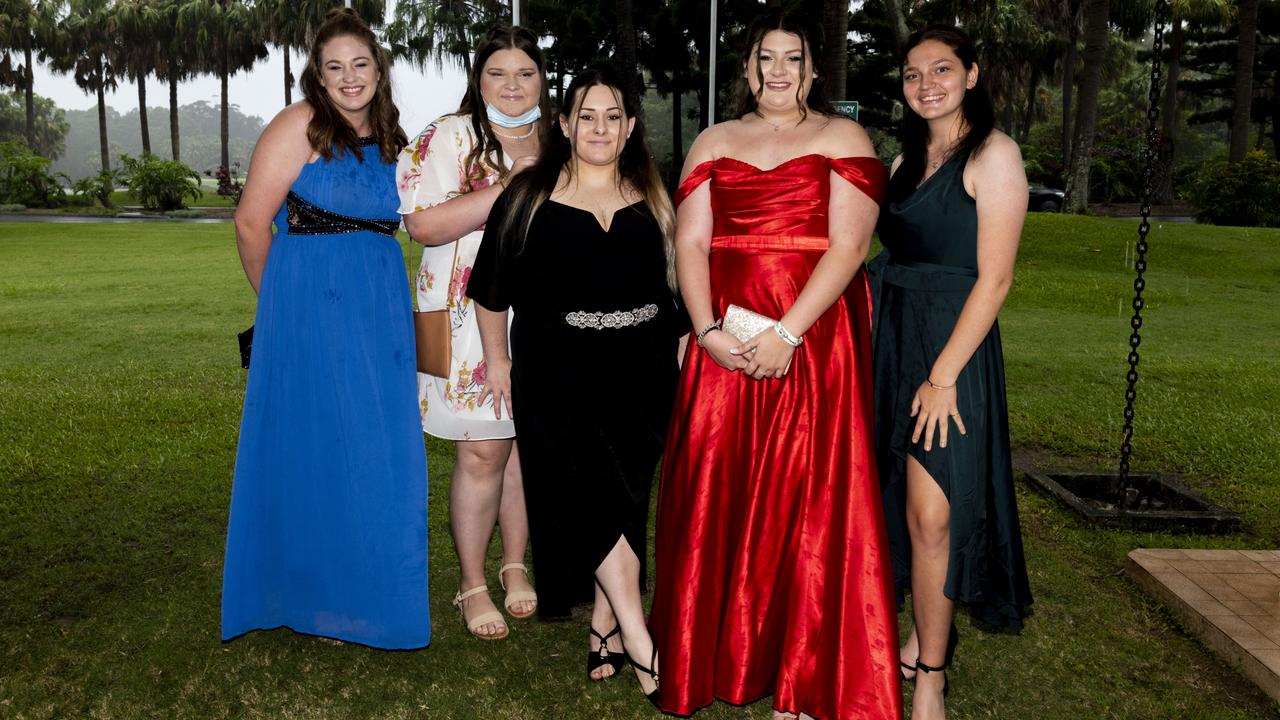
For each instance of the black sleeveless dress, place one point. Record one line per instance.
(923, 278)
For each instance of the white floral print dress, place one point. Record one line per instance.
(431, 171)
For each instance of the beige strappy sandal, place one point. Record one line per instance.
(517, 596)
(485, 618)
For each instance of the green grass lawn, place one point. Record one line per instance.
(120, 398)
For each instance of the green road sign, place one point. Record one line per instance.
(848, 107)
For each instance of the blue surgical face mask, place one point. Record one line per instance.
(501, 119)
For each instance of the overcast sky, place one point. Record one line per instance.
(421, 96)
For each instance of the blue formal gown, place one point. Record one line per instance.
(328, 526)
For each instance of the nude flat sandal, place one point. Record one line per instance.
(485, 618)
(517, 596)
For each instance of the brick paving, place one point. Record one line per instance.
(1230, 599)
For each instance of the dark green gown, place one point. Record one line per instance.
(922, 279)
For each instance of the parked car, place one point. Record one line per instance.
(1041, 199)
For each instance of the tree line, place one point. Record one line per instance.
(1048, 62)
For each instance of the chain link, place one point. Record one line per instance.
(1140, 262)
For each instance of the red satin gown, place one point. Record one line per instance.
(772, 570)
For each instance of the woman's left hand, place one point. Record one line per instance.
(767, 355)
(932, 407)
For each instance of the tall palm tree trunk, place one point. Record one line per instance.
(677, 138)
(173, 116)
(223, 119)
(1068, 92)
(1248, 13)
(897, 23)
(627, 52)
(1162, 188)
(836, 24)
(1096, 16)
(288, 77)
(102, 129)
(1029, 110)
(142, 114)
(28, 83)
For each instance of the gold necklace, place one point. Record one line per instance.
(515, 137)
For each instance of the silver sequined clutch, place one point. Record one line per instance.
(745, 324)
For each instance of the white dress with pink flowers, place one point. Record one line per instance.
(432, 170)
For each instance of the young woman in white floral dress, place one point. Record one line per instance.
(448, 178)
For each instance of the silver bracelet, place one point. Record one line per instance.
(786, 336)
(703, 332)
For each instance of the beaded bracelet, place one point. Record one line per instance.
(703, 332)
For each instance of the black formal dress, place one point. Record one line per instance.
(593, 349)
(930, 234)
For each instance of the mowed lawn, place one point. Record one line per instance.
(120, 398)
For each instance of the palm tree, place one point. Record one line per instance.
(139, 22)
(290, 24)
(84, 44)
(23, 25)
(173, 62)
(835, 23)
(441, 31)
(1248, 16)
(226, 42)
(1096, 14)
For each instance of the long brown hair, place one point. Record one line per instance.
(977, 111)
(793, 23)
(531, 188)
(487, 147)
(329, 132)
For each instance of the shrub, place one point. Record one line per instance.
(12, 207)
(160, 184)
(25, 178)
(1244, 193)
(96, 187)
(229, 183)
(185, 214)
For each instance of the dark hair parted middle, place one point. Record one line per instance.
(810, 35)
(486, 145)
(329, 132)
(977, 113)
(636, 169)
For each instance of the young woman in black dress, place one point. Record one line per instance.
(957, 200)
(580, 248)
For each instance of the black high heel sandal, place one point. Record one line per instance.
(604, 656)
(653, 660)
(953, 638)
(946, 684)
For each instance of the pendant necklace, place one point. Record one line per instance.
(777, 127)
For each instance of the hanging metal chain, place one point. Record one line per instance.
(1140, 261)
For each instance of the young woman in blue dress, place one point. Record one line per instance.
(328, 525)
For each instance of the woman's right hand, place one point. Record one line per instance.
(718, 343)
(497, 383)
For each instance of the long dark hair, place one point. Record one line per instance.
(810, 36)
(977, 112)
(329, 132)
(487, 146)
(531, 188)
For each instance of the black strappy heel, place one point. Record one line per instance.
(653, 660)
(946, 684)
(953, 638)
(599, 658)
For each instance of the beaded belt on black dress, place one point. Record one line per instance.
(611, 320)
(307, 218)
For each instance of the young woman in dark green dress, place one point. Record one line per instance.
(957, 200)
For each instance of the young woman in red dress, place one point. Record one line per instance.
(772, 575)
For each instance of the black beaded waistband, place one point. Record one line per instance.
(307, 218)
